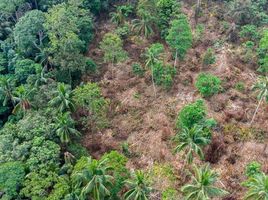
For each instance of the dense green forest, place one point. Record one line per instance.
(133, 99)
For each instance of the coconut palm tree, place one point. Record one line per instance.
(41, 79)
(152, 55)
(262, 87)
(144, 25)
(137, 187)
(191, 140)
(63, 99)
(65, 127)
(94, 180)
(6, 89)
(118, 17)
(258, 187)
(202, 186)
(21, 99)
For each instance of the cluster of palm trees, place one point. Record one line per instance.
(94, 180)
(142, 25)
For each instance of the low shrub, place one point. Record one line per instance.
(138, 69)
(191, 114)
(208, 84)
(209, 57)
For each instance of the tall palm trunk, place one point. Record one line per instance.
(153, 81)
(175, 62)
(254, 115)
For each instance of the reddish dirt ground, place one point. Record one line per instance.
(146, 122)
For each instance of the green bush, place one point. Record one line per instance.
(249, 32)
(112, 47)
(91, 66)
(138, 69)
(208, 84)
(191, 114)
(209, 57)
(123, 31)
(253, 169)
(77, 150)
(240, 86)
(163, 75)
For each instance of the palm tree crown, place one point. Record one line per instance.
(191, 141)
(65, 127)
(202, 186)
(138, 188)
(21, 98)
(6, 89)
(258, 187)
(94, 180)
(63, 98)
(262, 87)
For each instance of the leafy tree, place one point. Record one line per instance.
(24, 68)
(138, 188)
(112, 46)
(208, 84)
(44, 154)
(179, 36)
(63, 99)
(191, 114)
(10, 7)
(11, 178)
(249, 32)
(65, 128)
(90, 98)
(191, 140)
(257, 187)
(248, 12)
(93, 179)
(29, 32)
(69, 29)
(119, 171)
(262, 87)
(38, 184)
(44, 5)
(263, 53)
(5, 28)
(202, 186)
(60, 189)
(167, 11)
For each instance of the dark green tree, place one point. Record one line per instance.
(29, 33)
